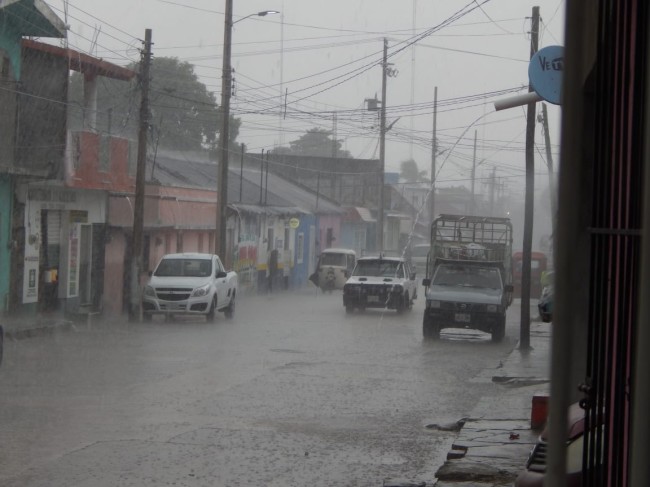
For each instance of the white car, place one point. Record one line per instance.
(380, 282)
(190, 284)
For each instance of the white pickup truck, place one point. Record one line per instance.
(190, 284)
(380, 282)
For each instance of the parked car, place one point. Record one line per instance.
(545, 303)
(190, 284)
(380, 282)
(334, 268)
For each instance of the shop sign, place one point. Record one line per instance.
(78, 216)
(73, 261)
(52, 195)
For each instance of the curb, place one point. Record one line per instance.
(18, 332)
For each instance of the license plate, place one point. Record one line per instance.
(462, 317)
(373, 299)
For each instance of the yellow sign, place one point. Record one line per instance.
(294, 223)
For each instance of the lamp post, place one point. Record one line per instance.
(226, 86)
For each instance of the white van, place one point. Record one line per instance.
(334, 268)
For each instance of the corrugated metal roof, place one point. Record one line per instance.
(269, 210)
(187, 169)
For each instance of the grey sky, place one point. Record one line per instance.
(325, 55)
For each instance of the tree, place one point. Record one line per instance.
(184, 114)
(315, 142)
(410, 172)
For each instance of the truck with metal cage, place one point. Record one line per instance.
(468, 282)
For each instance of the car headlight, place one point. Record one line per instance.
(433, 304)
(492, 308)
(149, 291)
(201, 291)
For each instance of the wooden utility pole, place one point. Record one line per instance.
(382, 151)
(434, 150)
(224, 137)
(138, 210)
(524, 339)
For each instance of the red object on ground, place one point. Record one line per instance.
(539, 411)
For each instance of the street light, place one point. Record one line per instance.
(226, 85)
(259, 14)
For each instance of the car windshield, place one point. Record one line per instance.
(467, 276)
(183, 268)
(333, 259)
(378, 268)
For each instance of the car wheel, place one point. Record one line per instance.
(430, 329)
(146, 317)
(402, 304)
(499, 331)
(211, 311)
(230, 310)
(349, 309)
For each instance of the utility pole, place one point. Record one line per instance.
(241, 172)
(524, 339)
(223, 143)
(334, 135)
(549, 164)
(382, 150)
(138, 210)
(434, 150)
(473, 210)
(493, 183)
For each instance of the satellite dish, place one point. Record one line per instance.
(545, 73)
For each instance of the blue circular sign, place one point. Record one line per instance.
(545, 73)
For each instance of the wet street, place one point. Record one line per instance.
(291, 392)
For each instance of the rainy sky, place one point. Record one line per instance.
(315, 63)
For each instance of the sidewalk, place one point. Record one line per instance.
(19, 327)
(493, 444)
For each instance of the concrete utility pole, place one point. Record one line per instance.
(382, 151)
(473, 209)
(434, 150)
(549, 164)
(138, 210)
(493, 184)
(524, 339)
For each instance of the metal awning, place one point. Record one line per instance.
(359, 214)
(32, 18)
(20, 18)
